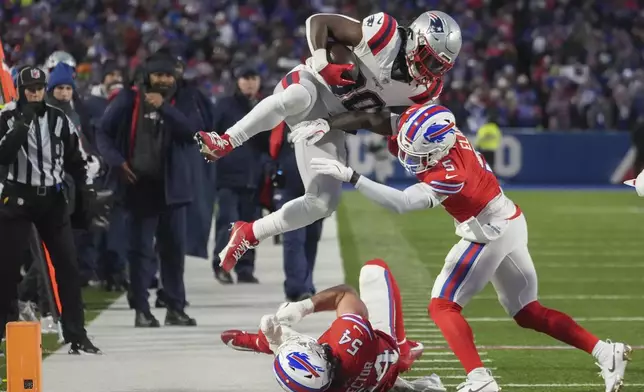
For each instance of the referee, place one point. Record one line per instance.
(38, 145)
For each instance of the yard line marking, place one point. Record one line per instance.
(510, 347)
(415, 304)
(437, 369)
(446, 353)
(445, 360)
(541, 385)
(420, 321)
(577, 253)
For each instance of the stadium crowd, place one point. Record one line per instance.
(553, 64)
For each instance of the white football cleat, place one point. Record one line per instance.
(479, 380)
(613, 366)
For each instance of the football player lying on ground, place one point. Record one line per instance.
(364, 349)
(494, 244)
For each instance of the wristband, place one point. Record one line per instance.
(320, 59)
(306, 307)
(354, 178)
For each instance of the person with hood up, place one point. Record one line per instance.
(145, 136)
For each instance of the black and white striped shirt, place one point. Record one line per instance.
(50, 148)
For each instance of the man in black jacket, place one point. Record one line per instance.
(38, 145)
(238, 174)
(145, 137)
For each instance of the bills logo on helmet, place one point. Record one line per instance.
(301, 361)
(436, 133)
(436, 25)
(35, 73)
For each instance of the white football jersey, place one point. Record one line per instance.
(375, 88)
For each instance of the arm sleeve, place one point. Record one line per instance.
(416, 197)
(271, 111)
(76, 159)
(13, 135)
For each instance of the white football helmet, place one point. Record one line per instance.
(301, 363)
(59, 56)
(433, 43)
(425, 136)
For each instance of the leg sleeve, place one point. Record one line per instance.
(293, 100)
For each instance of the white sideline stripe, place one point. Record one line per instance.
(420, 321)
(433, 341)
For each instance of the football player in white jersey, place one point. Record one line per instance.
(395, 66)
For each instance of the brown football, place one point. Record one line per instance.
(340, 54)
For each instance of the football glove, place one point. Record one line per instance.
(309, 131)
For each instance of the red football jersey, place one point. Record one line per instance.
(367, 358)
(463, 176)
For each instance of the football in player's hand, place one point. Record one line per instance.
(340, 54)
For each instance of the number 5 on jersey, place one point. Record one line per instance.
(355, 343)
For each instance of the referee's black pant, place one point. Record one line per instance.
(46, 208)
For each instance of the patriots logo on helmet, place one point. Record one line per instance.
(35, 73)
(436, 25)
(301, 361)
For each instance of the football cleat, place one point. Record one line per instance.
(613, 366)
(241, 240)
(479, 380)
(244, 341)
(213, 146)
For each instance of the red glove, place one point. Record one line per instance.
(331, 73)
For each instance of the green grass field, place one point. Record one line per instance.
(96, 300)
(588, 248)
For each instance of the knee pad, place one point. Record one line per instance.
(440, 305)
(297, 98)
(319, 207)
(532, 316)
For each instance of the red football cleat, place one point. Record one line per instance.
(244, 341)
(410, 351)
(241, 240)
(213, 146)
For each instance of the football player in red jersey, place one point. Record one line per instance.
(364, 349)
(494, 244)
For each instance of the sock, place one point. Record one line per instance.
(601, 350)
(456, 331)
(293, 215)
(557, 325)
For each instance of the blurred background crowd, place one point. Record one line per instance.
(541, 64)
(550, 64)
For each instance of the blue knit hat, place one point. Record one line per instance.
(61, 74)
